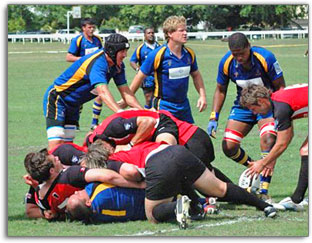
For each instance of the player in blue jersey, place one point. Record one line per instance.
(245, 65)
(105, 203)
(173, 64)
(83, 81)
(85, 43)
(137, 59)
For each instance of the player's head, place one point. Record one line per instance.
(240, 47)
(78, 206)
(256, 98)
(149, 35)
(88, 26)
(175, 27)
(98, 153)
(116, 46)
(39, 165)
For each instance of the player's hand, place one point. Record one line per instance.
(30, 181)
(122, 104)
(201, 104)
(212, 128)
(255, 168)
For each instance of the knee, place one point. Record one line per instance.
(267, 141)
(229, 149)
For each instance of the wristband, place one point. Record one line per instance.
(131, 144)
(214, 116)
(137, 69)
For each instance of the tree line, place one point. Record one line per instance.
(54, 17)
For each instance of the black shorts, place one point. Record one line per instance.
(201, 146)
(166, 125)
(168, 169)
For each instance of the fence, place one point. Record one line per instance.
(65, 38)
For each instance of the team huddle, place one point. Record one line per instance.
(152, 162)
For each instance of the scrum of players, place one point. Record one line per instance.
(154, 163)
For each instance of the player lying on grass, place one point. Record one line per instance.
(286, 104)
(57, 183)
(105, 203)
(167, 169)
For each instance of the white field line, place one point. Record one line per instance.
(242, 219)
(32, 52)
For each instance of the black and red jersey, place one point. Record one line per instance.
(65, 184)
(290, 103)
(121, 126)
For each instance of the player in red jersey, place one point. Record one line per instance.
(168, 168)
(156, 126)
(57, 183)
(287, 104)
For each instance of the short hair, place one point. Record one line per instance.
(86, 21)
(38, 165)
(251, 93)
(238, 41)
(77, 210)
(148, 28)
(97, 155)
(171, 24)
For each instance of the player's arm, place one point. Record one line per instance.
(33, 211)
(111, 177)
(282, 141)
(200, 87)
(107, 97)
(134, 66)
(137, 81)
(128, 97)
(71, 58)
(279, 83)
(219, 97)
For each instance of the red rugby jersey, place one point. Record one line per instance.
(296, 96)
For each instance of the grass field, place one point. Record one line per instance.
(33, 67)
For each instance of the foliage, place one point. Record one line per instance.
(53, 17)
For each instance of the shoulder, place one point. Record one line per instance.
(97, 37)
(261, 52)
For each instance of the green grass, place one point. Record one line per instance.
(29, 74)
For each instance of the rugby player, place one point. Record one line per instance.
(137, 59)
(172, 64)
(106, 203)
(57, 183)
(286, 104)
(245, 65)
(82, 81)
(167, 169)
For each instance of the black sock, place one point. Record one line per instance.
(221, 176)
(164, 212)
(303, 180)
(238, 195)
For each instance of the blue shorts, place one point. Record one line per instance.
(55, 109)
(245, 115)
(182, 111)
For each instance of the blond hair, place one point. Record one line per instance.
(251, 93)
(97, 155)
(171, 24)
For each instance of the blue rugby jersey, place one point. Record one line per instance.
(141, 52)
(170, 72)
(76, 83)
(265, 69)
(116, 204)
(81, 46)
